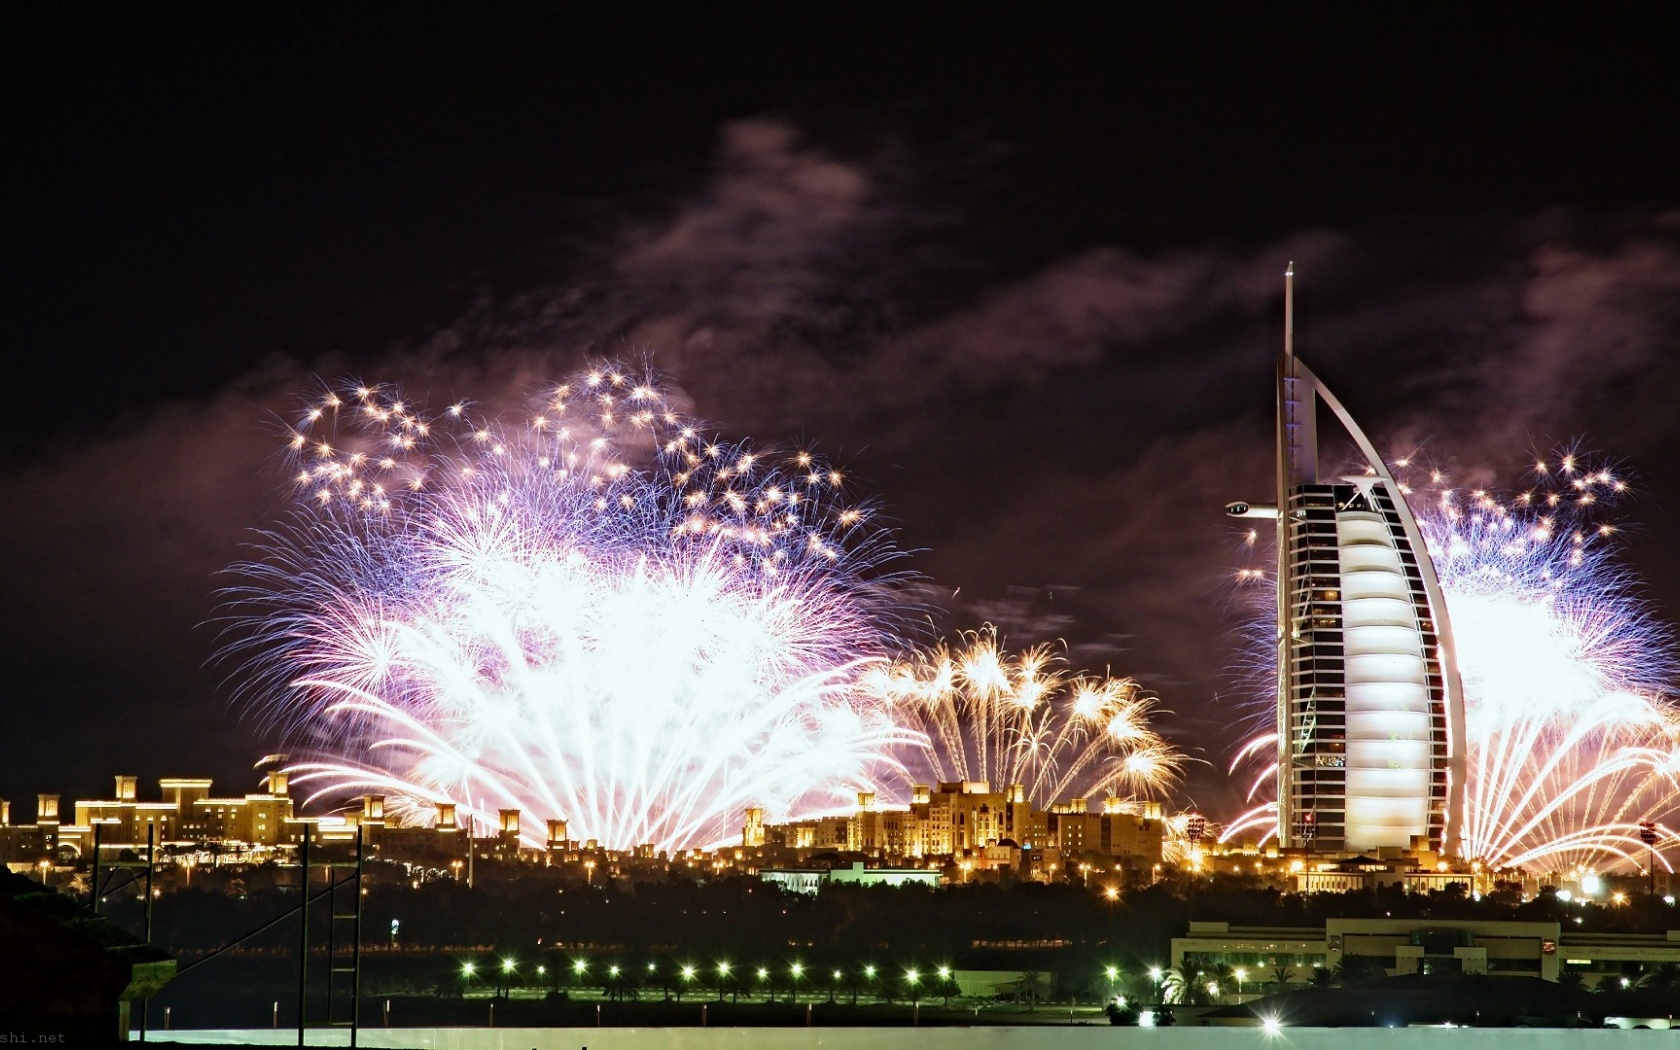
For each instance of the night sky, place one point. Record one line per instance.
(1023, 275)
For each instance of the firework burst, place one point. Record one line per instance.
(1004, 719)
(1572, 740)
(593, 613)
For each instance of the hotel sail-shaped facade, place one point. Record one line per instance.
(1370, 714)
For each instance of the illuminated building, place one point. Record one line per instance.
(1370, 716)
(810, 880)
(185, 814)
(752, 832)
(967, 822)
(1406, 946)
(25, 845)
(1116, 831)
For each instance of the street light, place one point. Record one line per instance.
(798, 971)
(723, 975)
(1242, 975)
(763, 976)
(914, 978)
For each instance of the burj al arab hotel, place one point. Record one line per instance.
(1370, 709)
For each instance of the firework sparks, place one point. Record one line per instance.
(1571, 738)
(1020, 719)
(593, 613)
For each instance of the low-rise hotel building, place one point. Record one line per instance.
(1273, 956)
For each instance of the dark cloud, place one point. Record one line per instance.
(1056, 444)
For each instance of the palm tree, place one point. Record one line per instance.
(1221, 975)
(1322, 977)
(1173, 985)
(1030, 983)
(1281, 974)
(1666, 976)
(855, 982)
(1358, 968)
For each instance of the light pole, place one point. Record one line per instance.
(507, 977)
(1242, 975)
(687, 976)
(1155, 975)
(579, 968)
(914, 979)
(723, 975)
(1648, 835)
(797, 971)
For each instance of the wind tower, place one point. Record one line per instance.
(1370, 713)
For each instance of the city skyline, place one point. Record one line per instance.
(1051, 403)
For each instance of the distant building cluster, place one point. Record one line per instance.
(962, 831)
(950, 833)
(975, 831)
(185, 814)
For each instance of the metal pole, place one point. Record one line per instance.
(356, 945)
(93, 886)
(332, 928)
(151, 855)
(303, 932)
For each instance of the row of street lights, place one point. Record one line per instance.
(688, 973)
